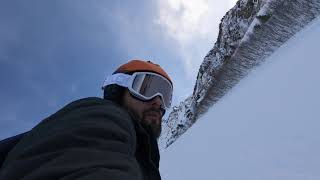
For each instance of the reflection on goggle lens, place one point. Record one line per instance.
(148, 85)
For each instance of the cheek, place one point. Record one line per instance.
(139, 108)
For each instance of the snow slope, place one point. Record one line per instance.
(233, 56)
(266, 128)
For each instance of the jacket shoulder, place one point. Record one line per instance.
(85, 134)
(87, 106)
(91, 110)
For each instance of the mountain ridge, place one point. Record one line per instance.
(248, 33)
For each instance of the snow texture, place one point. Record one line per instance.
(266, 128)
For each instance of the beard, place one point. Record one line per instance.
(152, 124)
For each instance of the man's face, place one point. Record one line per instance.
(148, 112)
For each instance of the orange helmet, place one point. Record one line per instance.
(147, 73)
(142, 66)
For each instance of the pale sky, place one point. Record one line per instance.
(193, 24)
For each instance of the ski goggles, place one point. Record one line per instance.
(144, 85)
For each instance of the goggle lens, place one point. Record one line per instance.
(150, 85)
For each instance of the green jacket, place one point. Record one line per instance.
(92, 139)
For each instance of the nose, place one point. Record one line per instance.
(156, 102)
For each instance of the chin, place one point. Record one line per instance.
(151, 120)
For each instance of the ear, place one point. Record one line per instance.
(114, 93)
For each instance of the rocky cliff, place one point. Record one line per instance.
(248, 33)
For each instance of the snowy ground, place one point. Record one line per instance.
(266, 128)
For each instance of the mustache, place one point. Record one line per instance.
(154, 110)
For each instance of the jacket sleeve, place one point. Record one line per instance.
(83, 142)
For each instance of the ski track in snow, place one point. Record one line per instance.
(266, 127)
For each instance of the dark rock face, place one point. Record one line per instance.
(248, 33)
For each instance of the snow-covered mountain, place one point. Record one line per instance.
(265, 128)
(249, 32)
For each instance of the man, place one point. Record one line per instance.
(98, 139)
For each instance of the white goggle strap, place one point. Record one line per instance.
(119, 79)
